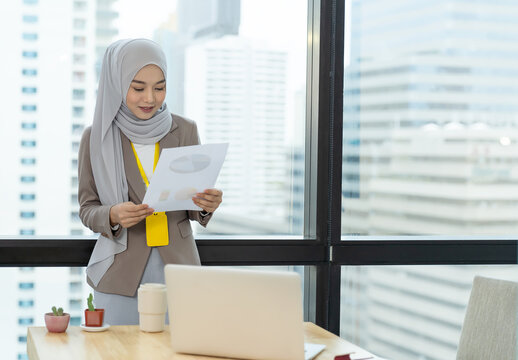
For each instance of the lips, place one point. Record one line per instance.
(146, 109)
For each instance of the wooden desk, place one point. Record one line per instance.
(128, 342)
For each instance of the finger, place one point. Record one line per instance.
(205, 205)
(132, 218)
(216, 192)
(213, 198)
(136, 208)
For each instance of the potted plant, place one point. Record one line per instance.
(93, 316)
(57, 320)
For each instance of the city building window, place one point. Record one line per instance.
(28, 143)
(27, 232)
(29, 90)
(77, 128)
(22, 339)
(29, 107)
(79, 24)
(78, 94)
(22, 357)
(75, 320)
(74, 304)
(30, 2)
(26, 303)
(79, 59)
(27, 179)
(78, 76)
(28, 161)
(27, 197)
(30, 54)
(26, 285)
(30, 36)
(30, 19)
(28, 125)
(27, 214)
(79, 41)
(29, 72)
(78, 111)
(75, 286)
(80, 5)
(26, 269)
(25, 321)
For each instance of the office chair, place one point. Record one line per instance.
(489, 328)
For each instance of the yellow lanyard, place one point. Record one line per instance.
(139, 164)
(157, 230)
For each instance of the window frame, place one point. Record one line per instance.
(321, 249)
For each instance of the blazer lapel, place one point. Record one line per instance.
(171, 139)
(133, 176)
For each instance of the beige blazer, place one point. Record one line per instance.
(123, 277)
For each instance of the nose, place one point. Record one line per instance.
(149, 96)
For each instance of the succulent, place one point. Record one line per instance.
(90, 302)
(58, 312)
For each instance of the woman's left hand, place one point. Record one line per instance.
(209, 200)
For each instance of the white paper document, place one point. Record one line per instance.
(182, 172)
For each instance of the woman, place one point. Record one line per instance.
(116, 159)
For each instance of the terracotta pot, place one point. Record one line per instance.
(94, 318)
(56, 324)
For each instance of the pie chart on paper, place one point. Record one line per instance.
(190, 163)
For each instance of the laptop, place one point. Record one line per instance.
(242, 314)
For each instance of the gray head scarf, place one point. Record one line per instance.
(122, 60)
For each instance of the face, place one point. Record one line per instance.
(146, 92)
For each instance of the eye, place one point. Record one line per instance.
(160, 89)
(138, 89)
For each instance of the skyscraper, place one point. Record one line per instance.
(50, 98)
(430, 135)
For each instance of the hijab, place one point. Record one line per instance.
(122, 60)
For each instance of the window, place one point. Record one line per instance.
(25, 321)
(30, 2)
(27, 179)
(79, 24)
(79, 41)
(30, 54)
(28, 161)
(30, 36)
(26, 285)
(78, 111)
(27, 197)
(27, 232)
(29, 72)
(29, 303)
(28, 125)
(27, 214)
(29, 90)
(22, 339)
(78, 94)
(30, 19)
(29, 108)
(28, 143)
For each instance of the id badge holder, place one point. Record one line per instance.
(157, 232)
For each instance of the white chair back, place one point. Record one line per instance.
(489, 328)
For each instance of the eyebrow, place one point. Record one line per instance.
(144, 83)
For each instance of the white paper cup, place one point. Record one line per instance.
(152, 307)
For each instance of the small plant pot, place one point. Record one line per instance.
(57, 324)
(94, 318)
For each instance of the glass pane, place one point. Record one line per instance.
(235, 67)
(430, 118)
(409, 312)
(29, 293)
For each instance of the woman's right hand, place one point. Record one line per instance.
(128, 214)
